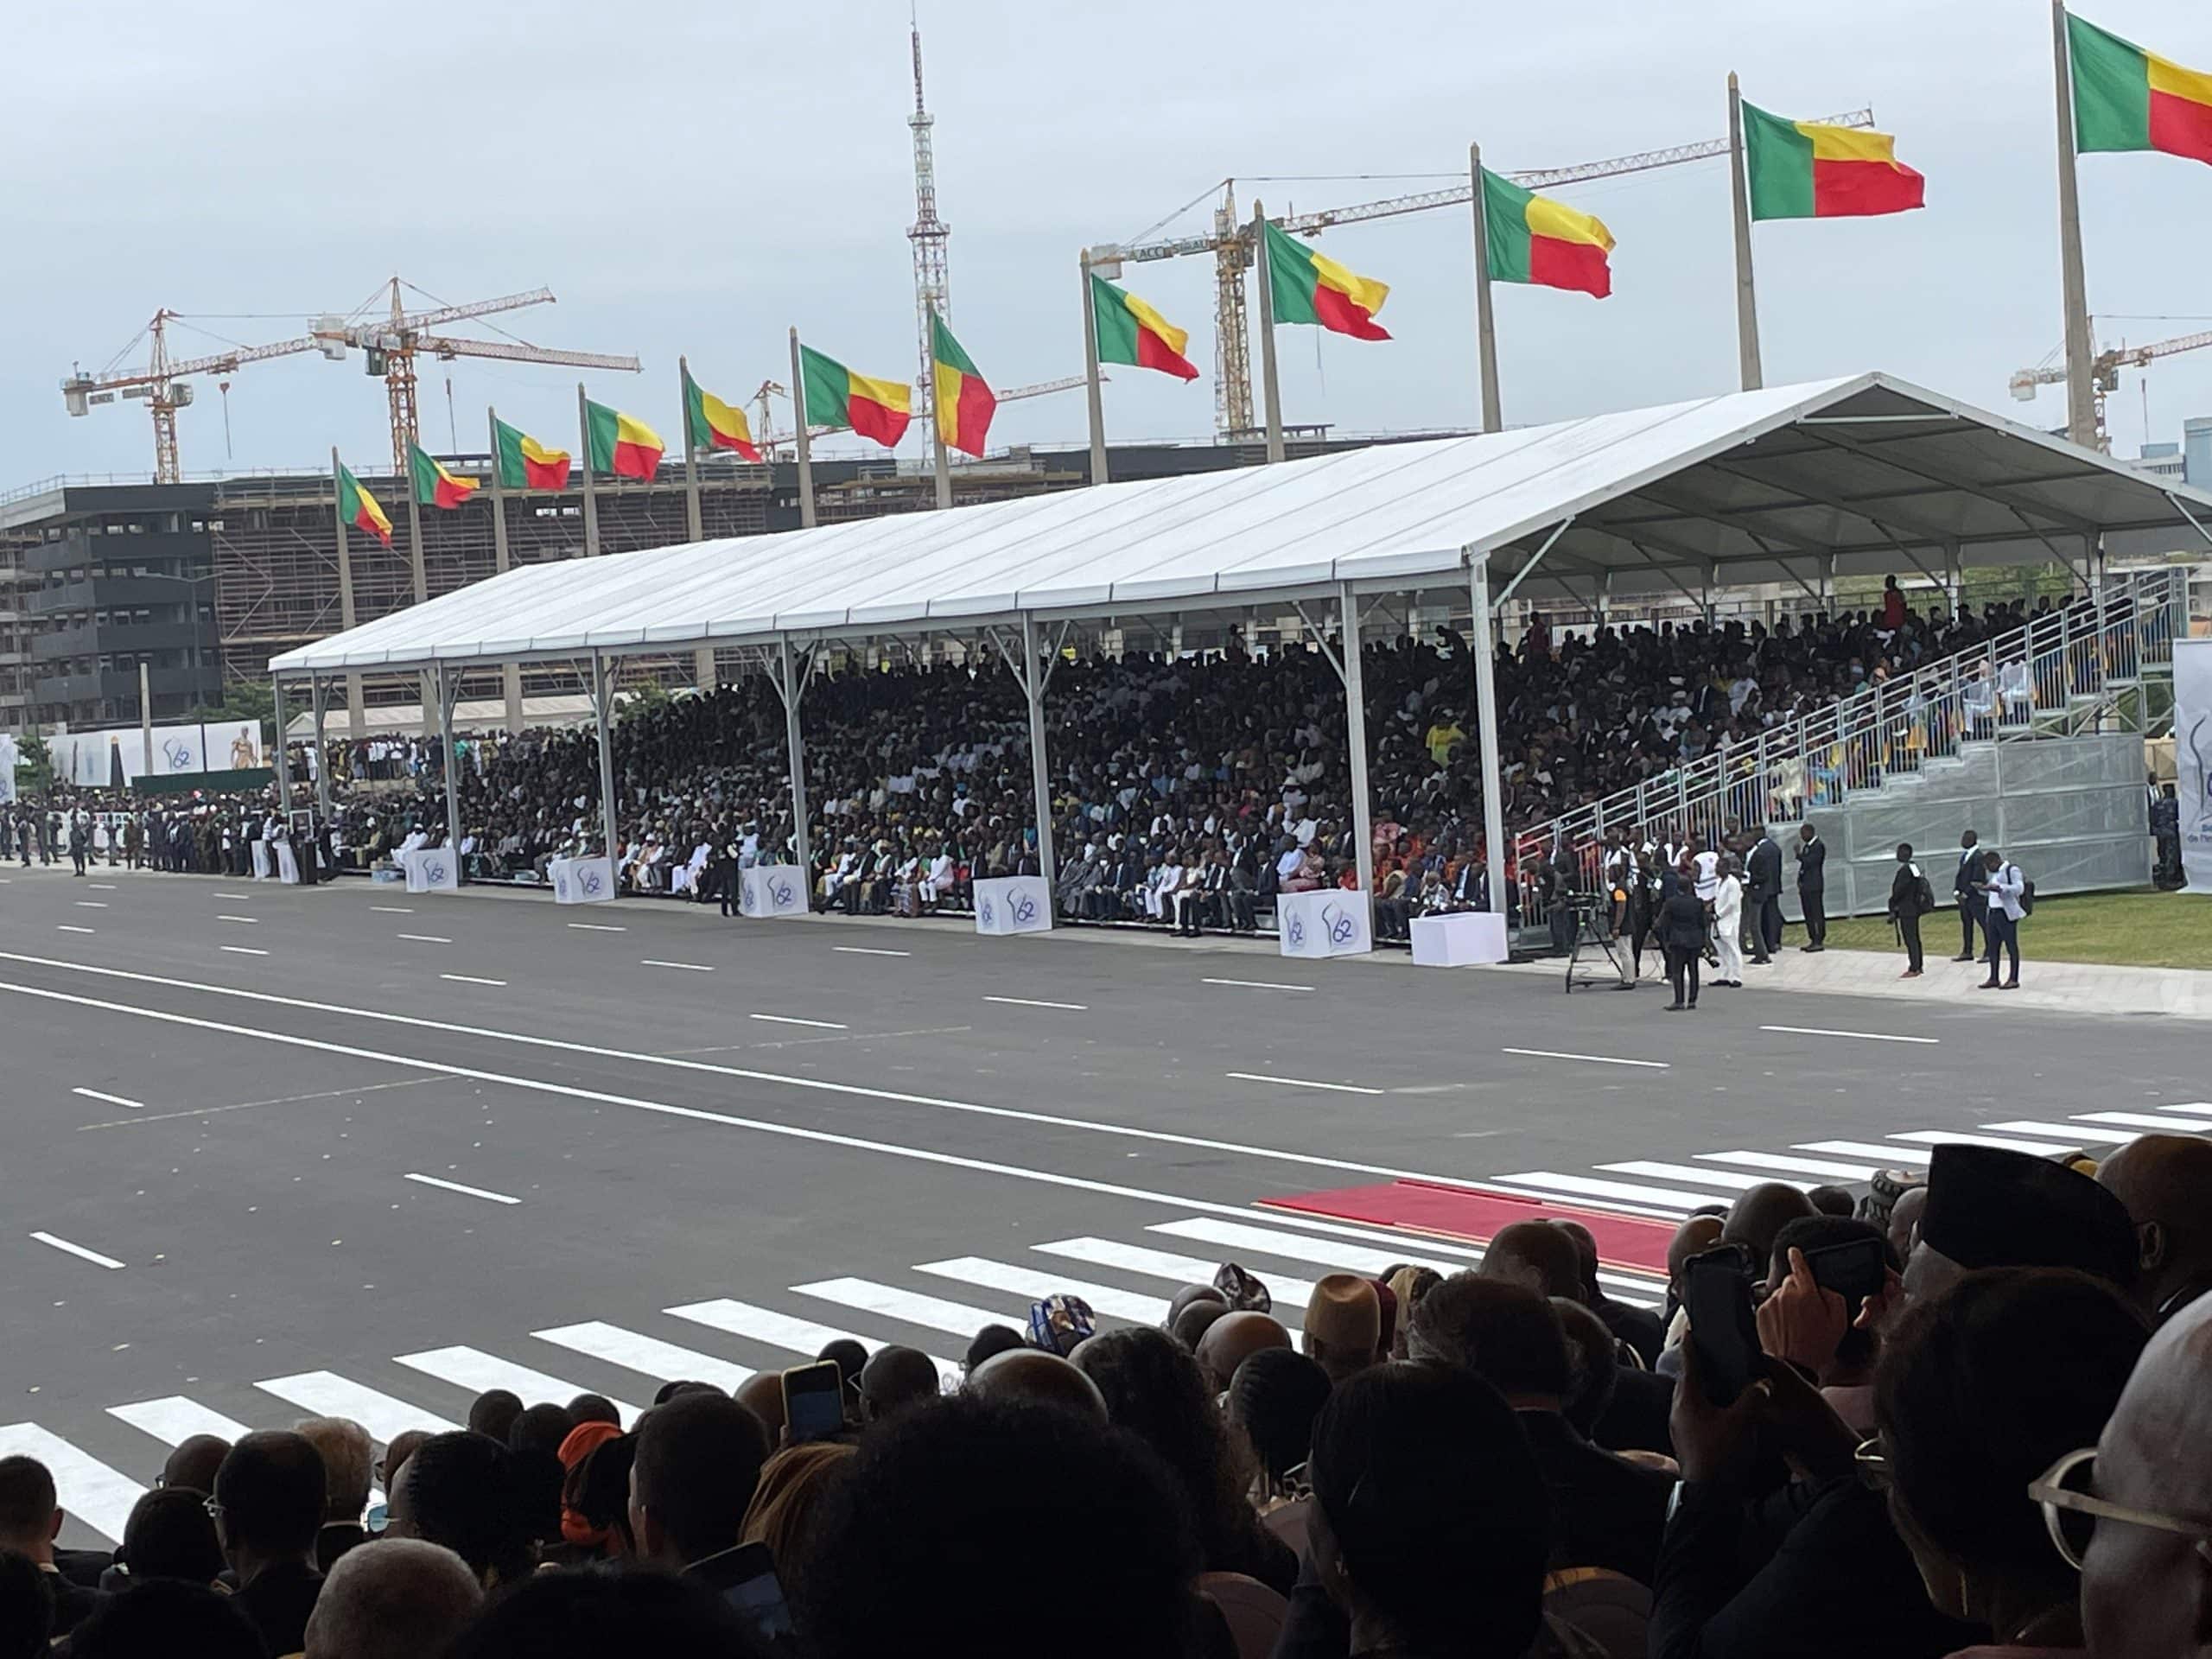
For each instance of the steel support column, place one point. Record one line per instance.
(321, 757)
(448, 694)
(602, 712)
(1362, 804)
(283, 756)
(791, 686)
(1034, 675)
(1478, 641)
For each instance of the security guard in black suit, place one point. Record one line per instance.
(1909, 899)
(1812, 887)
(1763, 876)
(1973, 902)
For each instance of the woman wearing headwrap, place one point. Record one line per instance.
(595, 1491)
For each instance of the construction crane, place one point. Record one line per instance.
(164, 386)
(393, 339)
(2104, 372)
(930, 235)
(1229, 242)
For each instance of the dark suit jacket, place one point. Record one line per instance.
(1639, 1327)
(334, 1540)
(1636, 1418)
(278, 1602)
(1812, 856)
(1606, 1512)
(1970, 874)
(1681, 919)
(1764, 871)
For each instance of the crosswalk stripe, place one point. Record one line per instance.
(326, 1394)
(174, 1420)
(1733, 1182)
(2145, 1120)
(2094, 1137)
(2188, 1106)
(1297, 1247)
(910, 1306)
(477, 1371)
(777, 1329)
(1886, 1157)
(99, 1497)
(654, 1357)
(1036, 1286)
(1791, 1166)
(1669, 1201)
(1179, 1270)
(1955, 1138)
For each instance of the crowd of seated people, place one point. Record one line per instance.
(2000, 1442)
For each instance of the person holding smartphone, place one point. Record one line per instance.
(1681, 932)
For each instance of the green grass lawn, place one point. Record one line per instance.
(2141, 929)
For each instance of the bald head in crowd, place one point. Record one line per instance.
(1234, 1338)
(194, 1461)
(399, 1601)
(1537, 1256)
(1762, 1212)
(1031, 1377)
(2166, 1182)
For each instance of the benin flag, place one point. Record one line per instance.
(621, 445)
(1131, 331)
(527, 464)
(360, 508)
(833, 395)
(1802, 169)
(713, 424)
(433, 486)
(1532, 239)
(2127, 99)
(1310, 286)
(965, 404)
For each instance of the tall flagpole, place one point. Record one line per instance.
(1485, 330)
(805, 460)
(939, 459)
(421, 571)
(1090, 374)
(2081, 391)
(1747, 300)
(591, 498)
(355, 719)
(1268, 334)
(703, 656)
(510, 673)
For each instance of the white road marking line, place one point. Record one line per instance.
(112, 1100)
(1887, 1157)
(247, 1105)
(647, 1355)
(793, 1020)
(471, 979)
(2074, 1131)
(455, 1186)
(597, 927)
(1867, 1036)
(1153, 1264)
(91, 904)
(1791, 1166)
(1657, 1197)
(328, 1395)
(688, 967)
(2145, 1121)
(478, 1372)
(64, 927)
(251, 921)
(393, 910)
(1257, 984)
(1953, 1137)
(2204, 1106)
(232, 895)
(1721, 1178)
(1034, 1002)
(174, 1420)
(99, 1497)
(909, 1307)
(1033, 1284)
(242, 950)
(78, 1250)
(765, 1324)
(868, 950)
(424, 938)
(1304, 1247)
(1302, 1082)
(1598, 1060)
(1125, 1131)
(101, 886)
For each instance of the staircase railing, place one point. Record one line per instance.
(2077, 669)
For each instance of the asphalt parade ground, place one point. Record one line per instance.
(270, 1151)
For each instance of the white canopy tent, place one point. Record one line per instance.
(1788, 484)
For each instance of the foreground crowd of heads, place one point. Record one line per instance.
(1999, 1440)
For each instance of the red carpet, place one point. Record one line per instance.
(1459, 1212)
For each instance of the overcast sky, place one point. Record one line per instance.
(695, 177)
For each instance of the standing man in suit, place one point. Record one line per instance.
(2002, 885)
(1763, 873)
(1681, 931)
(1909, 899)
(1972, 903)
(1812, 887)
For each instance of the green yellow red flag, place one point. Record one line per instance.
(713, 424)
(433, 486)
(1307, 286)
(622, 446)
(1131, 331)
(1532, 239)
(1807, 170)
(833, 395)
(2127, 99)
(360, 508)
(965, 404)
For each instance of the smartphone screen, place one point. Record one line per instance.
(813, 1401)
(1855, 1269)
(1717, 1291)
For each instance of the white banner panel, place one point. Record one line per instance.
(1013, 904)
(1459, 938)
(287, 864)
(10, 755)
(1326, 923)
(431, 869)
(581, 880)
(772, 890)
(2193, 759)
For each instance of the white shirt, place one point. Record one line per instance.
(1708, 873)
(2003, 887)
(1728, 903)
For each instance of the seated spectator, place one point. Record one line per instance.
(2165, 1182)
(953, 1512)
(25, 1607)
(1639, 1327)
(1987, 1207)
(540, 1429)
(894, 1379)
(1343, 1332)
(492, 1413)
(268, 1504)
(192, 1462)
(1155, 1389)
(169, 1616)
(169, 1534)
(992, 1339)
(2146, 1570)
(1817, 1330)
(600, 1612)
(1758, 1214)
(458, 1490)
(347, 1453)
(1272, 1401)
(762, 1394)
(593, 1409)
(1025, 1376)
(1536, 1255)
(1190, 1326)
(30, 1520)
(401, 1600)
(1234, 1338)
(595, 1497)
(697, 1465)
(783, 1504)
(1408, 1285)
(402, 1447)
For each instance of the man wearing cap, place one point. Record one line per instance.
(1990, 1208)
(1344, 1325)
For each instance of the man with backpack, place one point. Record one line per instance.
(1911, 898)
(2009, 895)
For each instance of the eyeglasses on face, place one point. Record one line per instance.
(2061, 1493)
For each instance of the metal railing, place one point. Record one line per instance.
(2073, 669)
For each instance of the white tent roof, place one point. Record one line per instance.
(1752, 486)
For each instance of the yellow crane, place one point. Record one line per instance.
(1229, 242)
(2104, 372)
